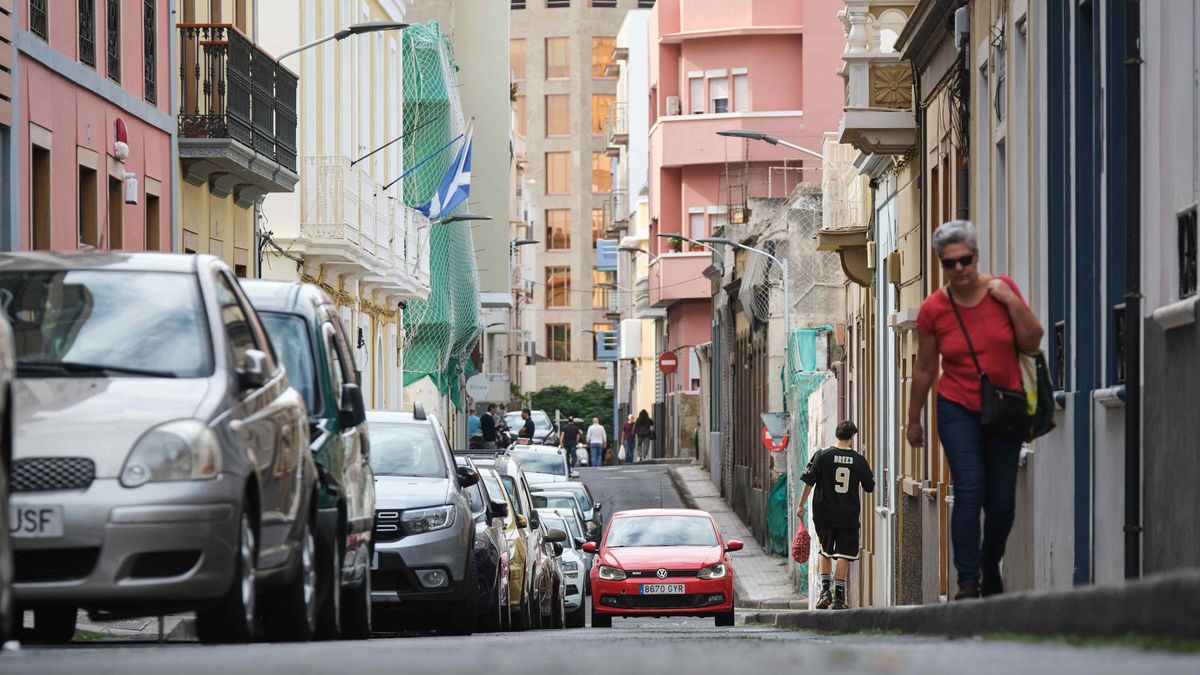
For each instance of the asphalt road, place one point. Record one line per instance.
(630, 647)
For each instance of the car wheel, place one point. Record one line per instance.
(558, 615)
(356, 610)
(329, 616)
(291, 613)
(52, 624)
(461, 619)
(234, 618)
(520, 618)
(725, 619)
(578, 618)
(601, 620)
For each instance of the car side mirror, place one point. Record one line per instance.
(555, 536)
(467, 476)
(733, 545)
(352, 411)
(499, 509)
(558, 548)
(598, 506)
(535, 520)
(590, 547)
(522, 521)
(253, 375)
(574, 474)
(579, 542)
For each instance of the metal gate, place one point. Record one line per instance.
(751, 463)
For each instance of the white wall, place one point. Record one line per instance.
(634, 35)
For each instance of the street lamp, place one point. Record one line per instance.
(767, 138)
(698, 242)
(787, 298)
(459, 218)
(353, 29)
(631, 249)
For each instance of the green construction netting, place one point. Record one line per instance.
(799, 386)
(441, 331)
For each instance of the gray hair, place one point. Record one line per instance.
(955, 232)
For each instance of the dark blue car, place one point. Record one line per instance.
(491, 555)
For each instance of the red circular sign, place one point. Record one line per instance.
(668, 362)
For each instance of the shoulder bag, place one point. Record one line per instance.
(1003, 412)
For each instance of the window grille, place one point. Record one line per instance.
(87, 32)
(112, 20)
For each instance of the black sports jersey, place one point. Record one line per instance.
(836, 475)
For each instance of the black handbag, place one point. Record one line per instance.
(1002, 412)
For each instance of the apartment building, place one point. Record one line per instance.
(564, 92)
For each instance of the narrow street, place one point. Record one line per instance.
(631, 646)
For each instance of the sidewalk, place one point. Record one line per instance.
(760, 580)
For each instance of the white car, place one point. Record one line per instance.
(574, 568)
(542, 463)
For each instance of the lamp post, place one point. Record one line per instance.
(767, 138)
(353, 29)
(787, 298)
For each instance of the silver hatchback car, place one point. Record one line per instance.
(161, 460)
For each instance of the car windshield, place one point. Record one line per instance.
(542, 462)
(541, 501)
(580, 493)
(405, 450)
(510, 486)
(475, 492)
(541, 421)
(289, 335)
(97, 323)
(661, 531)
(572, 526)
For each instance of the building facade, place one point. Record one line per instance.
(94, 124)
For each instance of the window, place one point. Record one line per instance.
(558, 342)
(601, 288)
(602, 49)
(89, 234)
(558, 229)
(696, 95)
(717, 220)
(558, 4)
(112, 19)
(604, 3)
(741, 92)
(37, 18)
(1187, 252)
(39, 187)
(289, 336)
(519, 112)
(87, 32)
(116, 214)
(602, 105)
(558, 115)
(645, 4)
(558, 173)
(597, 226)
(150, 50)
(558, 286)
(718, 93)
(517, 4)
(558, 57)
(696, 225)
(601, 173)
(237, 324)
(516, 58)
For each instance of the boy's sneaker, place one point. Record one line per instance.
(825, 600)
(839, 600)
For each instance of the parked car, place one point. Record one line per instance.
(517, 536)
(489, 510)
(592, 510)
(424, 565)
(525, 589)
(662, 562)
(199, 492)
(306, 330)
(546, 499)
(574, 569)
(543, 427)
(542, 463)
(552, 611)
(8, 607)
(576, 534)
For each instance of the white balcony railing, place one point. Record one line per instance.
(879, 83)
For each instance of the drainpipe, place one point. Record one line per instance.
(1133, 295)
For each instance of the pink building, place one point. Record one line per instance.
(94, 124)
(762, 65)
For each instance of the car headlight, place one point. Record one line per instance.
(570, 566)
(179, 450)
(418, 521)
(611, 573)
(716, 571)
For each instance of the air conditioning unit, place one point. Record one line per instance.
(673, 107)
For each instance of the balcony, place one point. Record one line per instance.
(675, 277)
(641, 301)
(237, 115)
(878, 117)
(348, 222)
(687, 140)
(618, 126)
(616, 213)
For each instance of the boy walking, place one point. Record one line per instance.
(837, 473)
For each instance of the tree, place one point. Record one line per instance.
(593, 400)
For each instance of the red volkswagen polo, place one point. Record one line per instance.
(662, 562)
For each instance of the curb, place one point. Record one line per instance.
(785, 604)
(1159, 606)
(668, 460)
(685, 495)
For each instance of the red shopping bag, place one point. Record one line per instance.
(801, 543)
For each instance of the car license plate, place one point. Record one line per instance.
(662, 589)
(35, 522)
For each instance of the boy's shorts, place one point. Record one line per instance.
(838, 542)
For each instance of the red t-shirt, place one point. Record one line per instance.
(992, 334)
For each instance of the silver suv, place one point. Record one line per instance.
(423, 568)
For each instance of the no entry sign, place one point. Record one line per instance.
(668, 362)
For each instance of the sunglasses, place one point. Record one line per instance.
(965, 261)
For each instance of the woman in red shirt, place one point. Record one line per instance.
(983, 465)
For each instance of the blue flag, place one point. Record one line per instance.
(456, 184)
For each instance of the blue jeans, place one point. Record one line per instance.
(572, 458)
(984, 471)
(597, 454)
(629, 445)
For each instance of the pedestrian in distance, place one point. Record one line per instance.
(628, 439)
(569, 440)
(643, 431)
(527, 429)
(835, 475)
(975, 324)
(597, 440)
(487, 427)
